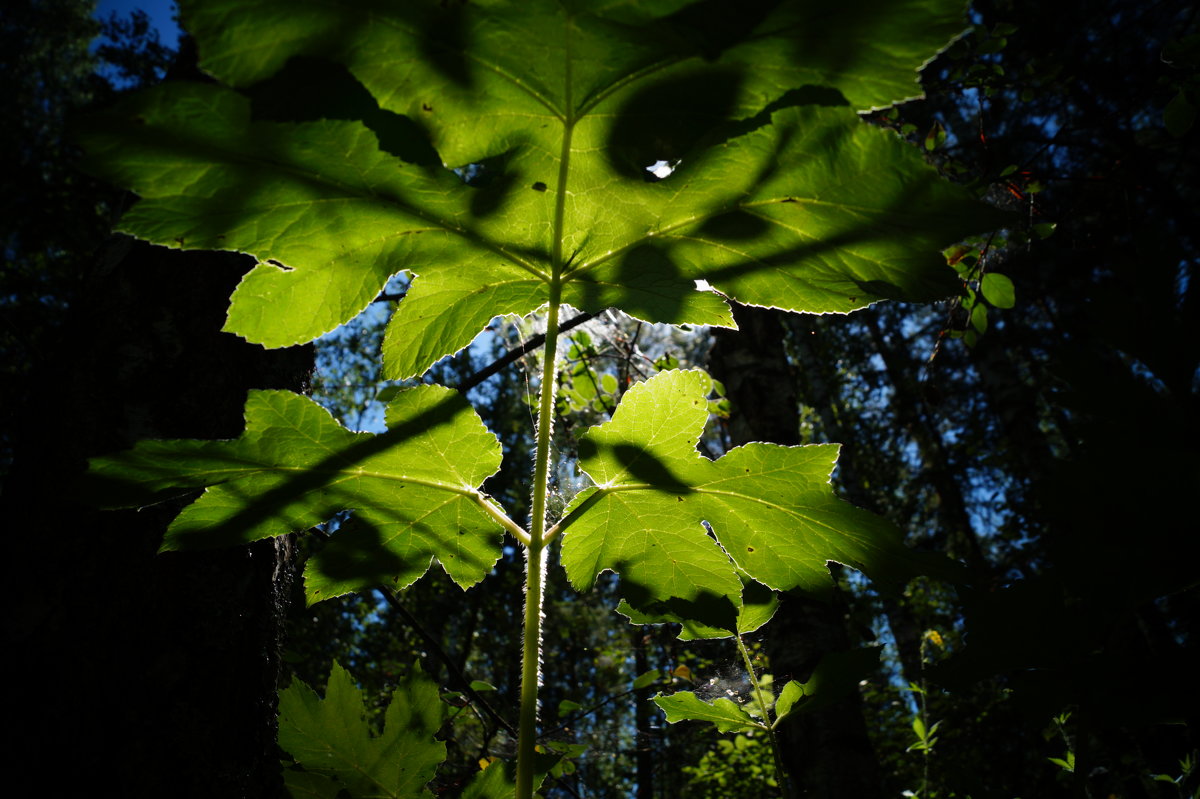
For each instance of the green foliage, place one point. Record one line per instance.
(723, 713)
(331, 211)
(643, 520)
(325, 155)
(737, 767)
(836, 675)
(414, 488)
(334, 744)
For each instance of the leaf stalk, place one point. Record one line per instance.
(780, 772)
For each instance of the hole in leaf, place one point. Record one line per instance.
(660, 170)
(472, 174)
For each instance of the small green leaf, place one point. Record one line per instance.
(499, 778)
(791, 693)
(724, 713)
(566, 749)
(936, 137)
(998, 290)
(1045, 230)
(979, 318)
(566, 707)
(330, 737)
(992, 45)
(649, 678)
(1067, 765)
(838, 674)
(481, 686)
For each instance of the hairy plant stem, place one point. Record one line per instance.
(535, 552)
(780, 773)
(535, 559)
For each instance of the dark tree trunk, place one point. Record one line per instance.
(141, 675)
(827, 753)
(643, 716)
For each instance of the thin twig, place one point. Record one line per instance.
(512, 355)
(456, 675)
(585, 713)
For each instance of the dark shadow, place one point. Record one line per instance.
(637, 462)
(357, 553)
(308, 89)
(645, 283)
(709, 27)
(714, 610)
(494, 181)
(666, 121)
(315, 480)
(443, 42)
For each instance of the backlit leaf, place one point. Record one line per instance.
(330, 736)
(779, 195)
(724, 713)
(998, 290)
(771, 509)
(758, 607)
(413, 490)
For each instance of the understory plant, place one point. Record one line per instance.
(664, 158)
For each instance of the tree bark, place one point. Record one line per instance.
(827, 753)
(141, 674)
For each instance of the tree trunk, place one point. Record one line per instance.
(142, 675)
(827, 753)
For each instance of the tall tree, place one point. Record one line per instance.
(828, 752)
(157, 673)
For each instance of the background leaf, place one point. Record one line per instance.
(330, 736)
(836, 675)
(998, 290)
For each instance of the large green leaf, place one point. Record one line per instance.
(781, 197)
(771, 509)
(725, 714)
(330, 738)
(413, 490)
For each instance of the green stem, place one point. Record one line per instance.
(535, 560)
(924, 713)
(780, 772)
(535, 552)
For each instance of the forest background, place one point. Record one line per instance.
(1050, 446)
